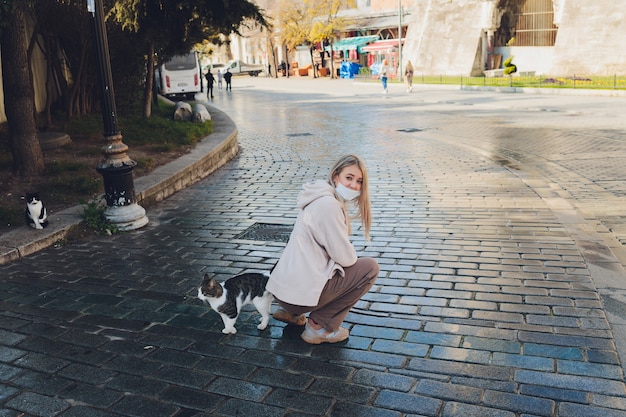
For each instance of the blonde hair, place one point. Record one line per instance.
(363, 201)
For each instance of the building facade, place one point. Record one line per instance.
(547, 37)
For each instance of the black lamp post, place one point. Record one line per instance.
(116, 168)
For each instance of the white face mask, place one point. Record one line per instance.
(346, 193)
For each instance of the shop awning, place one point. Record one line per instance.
(349, 44)
(384, 45)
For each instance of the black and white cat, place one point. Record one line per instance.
(36, 213)
(228, 298)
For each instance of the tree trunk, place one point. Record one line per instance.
(19, 98)
(147, 92)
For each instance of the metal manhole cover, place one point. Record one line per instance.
(295, 135)
(266, 231)
(410, 130)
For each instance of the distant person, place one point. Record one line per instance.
(219, 79)
(227, 77)
(408, 76)
(210, 80)
(383, 74)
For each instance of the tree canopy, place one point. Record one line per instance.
(141, 33)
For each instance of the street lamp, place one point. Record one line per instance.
(116, 169)
(400, 40)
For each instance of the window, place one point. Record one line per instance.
(535, 24)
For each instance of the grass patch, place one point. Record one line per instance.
(71, 177)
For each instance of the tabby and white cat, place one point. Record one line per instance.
(228, 298)
(36, 213)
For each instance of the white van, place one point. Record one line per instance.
(180, 76)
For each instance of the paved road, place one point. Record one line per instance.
(500, 230)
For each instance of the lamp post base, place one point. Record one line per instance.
(125, 218)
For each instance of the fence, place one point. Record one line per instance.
(615, 82)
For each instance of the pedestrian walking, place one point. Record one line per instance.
(227, 77)
(319, 271)
(383, 74)
(219, 79)
(408, 76)
(210, 80)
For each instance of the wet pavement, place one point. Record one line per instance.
(499, 225)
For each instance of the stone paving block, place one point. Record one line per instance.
(444, 312)
(575, 382)
(567, 341)
(37, 404)
(555, 394)
(347, 355)
(568, 409)
(7, 392)
(10, 338)
(9, 354)
(136, 406)
(7, 372)
(131, 365)
(519, 403)
(89, 394)
(140, 385)
(346, 409)
(322, 368)
(184, 377)
(471, 331)
(553, 351)
(456, 409)
(590, 369)
(387, 380)
(302, 401)
(461, 369)
(603, 356)
(235, 407)
(494, 345)
(461, 355)
(42, 383)
(408, 403)
(433, 338)
(498, 316)
(401, 348)
(226, 367)
(41, 362)
(282, 379)
(82, 411)
(190, 398)
(378, 332)
(448, 391)
(523, 362)
(359, 394)
(238, 389)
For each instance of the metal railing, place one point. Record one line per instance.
(615, 82)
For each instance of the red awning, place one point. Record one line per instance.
(382, 46)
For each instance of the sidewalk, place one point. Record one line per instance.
(500, 291)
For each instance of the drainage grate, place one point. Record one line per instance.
(266, 231)
(296, 135)
(410, 130)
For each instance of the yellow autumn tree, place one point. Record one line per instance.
(328, 22)
(305, 22)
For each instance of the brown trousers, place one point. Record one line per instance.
(340, 294)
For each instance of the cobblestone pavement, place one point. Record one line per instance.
(499, 227)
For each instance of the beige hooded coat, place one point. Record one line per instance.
(318, 246)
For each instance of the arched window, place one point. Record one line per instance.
(534, 24)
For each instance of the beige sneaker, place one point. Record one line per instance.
(286, 317)
(315, 337)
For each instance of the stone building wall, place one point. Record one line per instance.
(443, 36)
(450, 38)
(591, 39)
